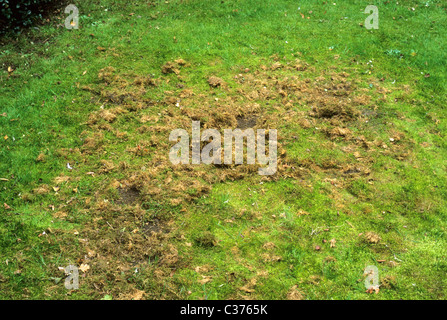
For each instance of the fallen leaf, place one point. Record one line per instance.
(6, 206)
(205, 279)
(332, 241)
(372, 289)
(200, 269)
(246, 289)
(84, 267)
(60, 214)
(138, 295)
(91, 253)
(295, 294)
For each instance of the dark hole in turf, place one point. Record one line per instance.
(247, 121)
(128, 196)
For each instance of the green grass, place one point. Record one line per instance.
(403, 200)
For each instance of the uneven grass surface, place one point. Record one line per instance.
(85, 176)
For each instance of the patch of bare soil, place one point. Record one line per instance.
(128, 196)
(246, 121)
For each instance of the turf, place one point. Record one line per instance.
(361, 174)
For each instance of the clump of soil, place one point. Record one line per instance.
(388, 282)
(206, 239)
(269, 245)
(154, 226)
(276, 65)
(340, 132)
(40, 158)
(335, 111)
(107, 166)
(43, 189)
(304, 123)
(180, 62)
(145, 81)
(107, 74)
(173, 67)
(372, 237)
(215, 82)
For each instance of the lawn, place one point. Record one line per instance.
(86, 180)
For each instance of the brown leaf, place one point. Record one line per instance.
(373, 290)
(84, 267)
(138, 295)
(205, 279)
(246, 289)
(332, 242)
